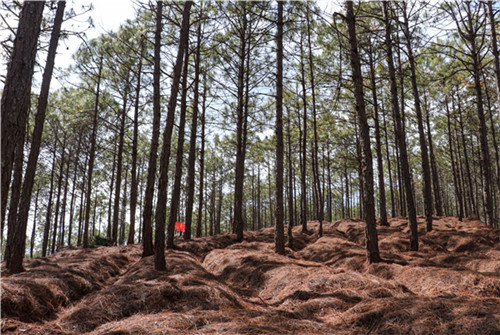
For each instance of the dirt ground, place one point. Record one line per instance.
(216, 286)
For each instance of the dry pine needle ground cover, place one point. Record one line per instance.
(216, 286)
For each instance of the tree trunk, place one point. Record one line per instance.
(65, 197)
(279, 245)
(435, 177)
(176, 192)
(27, 188)
(192, 140)
(73, 191)
(202, 157)
(33, 231)
(315, 165)
(133, 176)
(238, 222)
(452, 159)
(46, 229)
(147, 226)
(291, 198)
(381, 186)
(119, 165)
(92, 159)
(400, 136)
(160, 217)
(393, 207)
(371, 239)
(427, 190)
(303, 194)
(494, 47)
(15, 103)
(59, 185)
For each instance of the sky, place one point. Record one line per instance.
(107, 15)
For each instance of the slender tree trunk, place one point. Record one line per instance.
(192, 140)
(393, 208)
(381, 186)
(65, 197)
(291, 198)
(17, 254)
(279, 245)
(202, 158)
(400, 136)
(303, 195)
(15, 105)
(119, 165)
(92, 158)
(33, 231)
(73, 191)
(121, 239)
(452, 159)
(435, 177)
(160, 216)
(82, 213)
(147, 226)
(111, 188)
(494, 47)
(59, 186)
(424, 156)
(176, 192)
(466, 156)
(46, 229)
(371, 239)
(315, 164)
(133, 173)
(238, 222)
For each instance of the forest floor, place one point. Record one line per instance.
(216, 286)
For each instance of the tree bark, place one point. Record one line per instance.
(192, 140)
(202, 157)
(400, 135)
(279, 245)
(27, 188)
(427, 190)
(46, 229)
(92, 158)
(176, 192)
(381, 186)
(15, 102)
(494, 47)
(371, 238)
(133, 173)
(147, 226)
(119, 165)
(238, 222)
(160, 217)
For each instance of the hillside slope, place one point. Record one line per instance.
(215, 286)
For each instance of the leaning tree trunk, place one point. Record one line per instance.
(176, 191)
(161, 215)
(371, 238)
